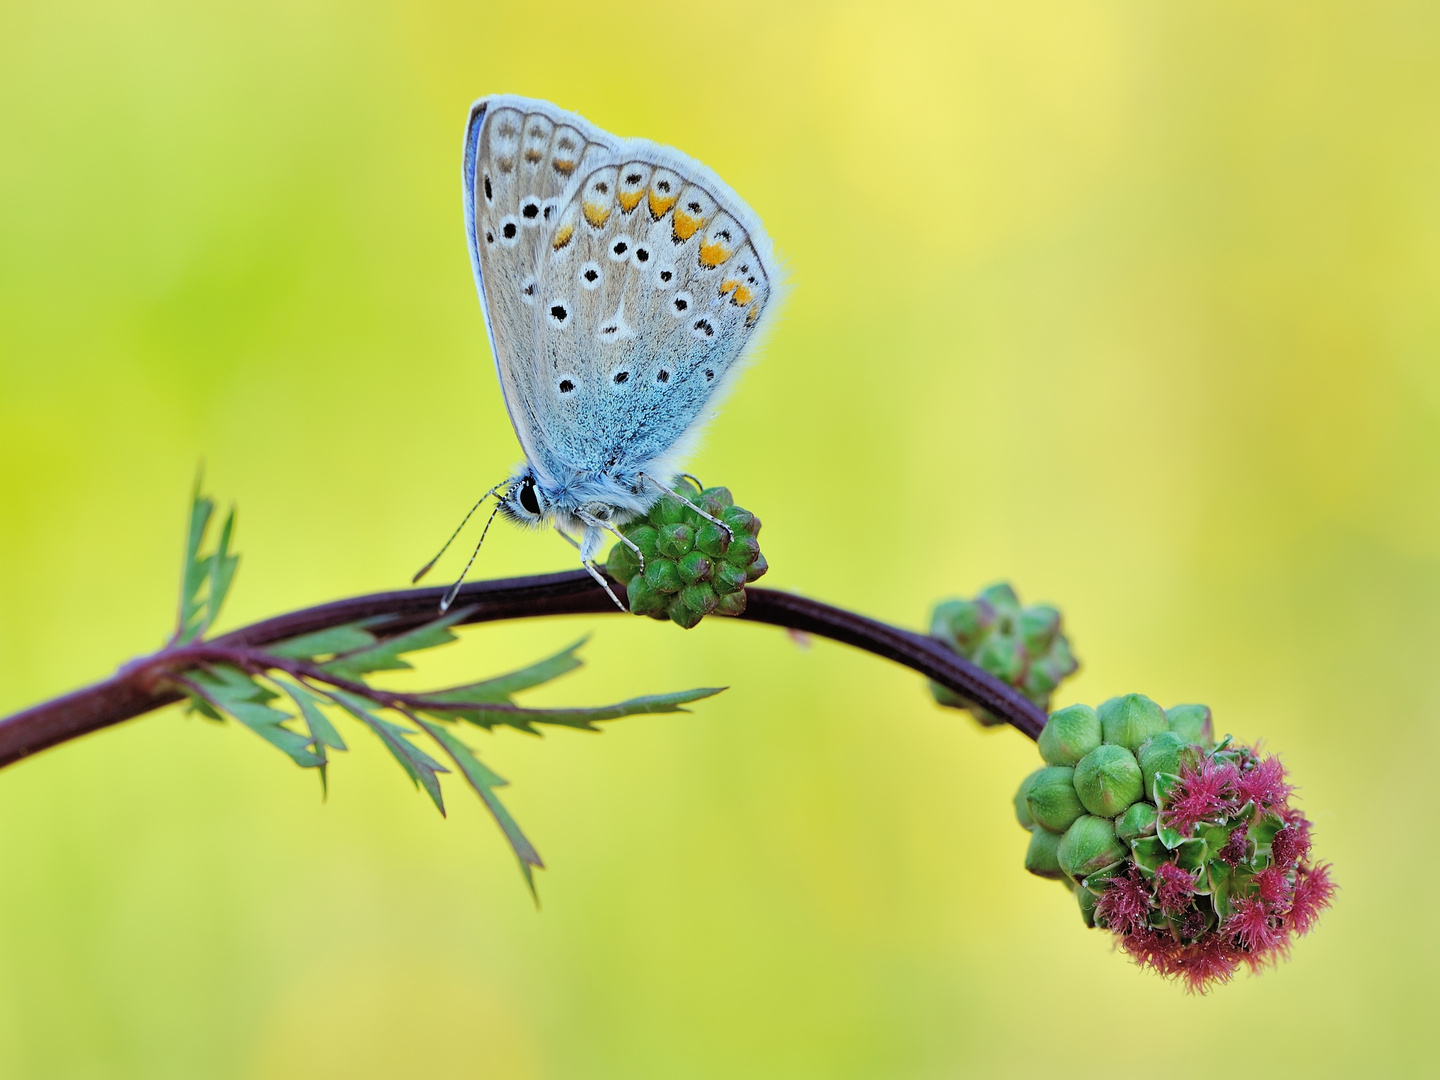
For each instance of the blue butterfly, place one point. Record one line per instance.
(623, 284)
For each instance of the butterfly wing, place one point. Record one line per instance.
(655, 281)
(521, 155)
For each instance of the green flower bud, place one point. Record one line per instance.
(1040, 858)
(757, 568)
(721, 497)
(1041, 678)
(1003, 658)
(731, 603)
(740, 520)
(1108, 780)
(1089, 845)
(643, 599)
(1191, 723)
(1130, 720)
(961, 622)
(683, 615)
(622, 564)
(645, 537)
(1136, 822)
(696, 567)
(699, 597)
(668, 511)
(663, 576)
(1051, 800)
(1002, 598)
(676, 540)
(1038, 627)
(711, 540)
(744, 550)
(1022, 811)
(1069, 735)
(1161, 754)
(729, 578)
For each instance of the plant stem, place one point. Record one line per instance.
(140, 686)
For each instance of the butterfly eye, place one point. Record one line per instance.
(528, 498)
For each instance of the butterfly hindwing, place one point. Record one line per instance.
(655, 280)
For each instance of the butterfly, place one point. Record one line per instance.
(623, 285)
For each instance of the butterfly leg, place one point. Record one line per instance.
(589, 545)
(664, 491)
(599, 577)
(568, 538)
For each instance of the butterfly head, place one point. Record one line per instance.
(522, 501)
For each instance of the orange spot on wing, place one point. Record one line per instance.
(596, 214)
(685, 225)
(562, 237)
(712, 253)
(563, 166)
(533, 156)
(629, 200)
(754, 316)
(728, 284)
(742, 296)
(660, 204)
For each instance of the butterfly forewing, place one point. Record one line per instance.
(655, 279)
(521, 155)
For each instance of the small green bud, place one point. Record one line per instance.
(1161, 754)
(663, 576)
(720, 495)
(711, 540)
(743, 551)
(1040, 858)
(684, 616)
(1002, 598)
(740, 520)
(644, 537)
(622, 564)
(729, 577)
(1069, 735)
(961, 622)
(1089, 845)
(757, 568)
(643, 599)
(699, 597)
(676, 540)
(1192, 723)
(1108, 780)
(1051, 800)
(668, 511)
(732, 603)
(1130, 720)
(1040, 679)
(1002, 657)
(1022, 811)
(695, 567)
(1038, 627)
(1136, 822)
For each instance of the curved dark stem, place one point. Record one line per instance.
(142, 685)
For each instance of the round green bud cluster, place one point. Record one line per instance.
(1188, 851)
(691, 566)
(1022, 646)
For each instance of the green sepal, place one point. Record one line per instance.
(1264, 831)
(1191, 854)
(1087, 901)
(1161, 787)
(1136, 822)
(1148, 854)
(1219, 878)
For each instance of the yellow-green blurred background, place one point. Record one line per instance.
(1133, 304)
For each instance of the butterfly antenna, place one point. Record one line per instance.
(449, 597)
(426, 568)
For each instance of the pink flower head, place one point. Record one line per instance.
(1207, 792)
(1211, 960)
(1255, 929)
(1291, 845)
(1264, 783)
(1313, 892)
(1272, 889)
(1236, 848)
(1174, 888)
(1125, 906)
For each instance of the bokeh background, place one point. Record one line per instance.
(1131, 304)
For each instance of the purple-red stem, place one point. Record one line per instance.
(141, 685)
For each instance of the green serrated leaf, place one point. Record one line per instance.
(222, 573)
(337, 639)
(498, 691)
(197, 568)
(322, 732)
(227, 684)
(484, 782)
(582, 718)
(418, 765)
(384, 655)
(236, 694)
